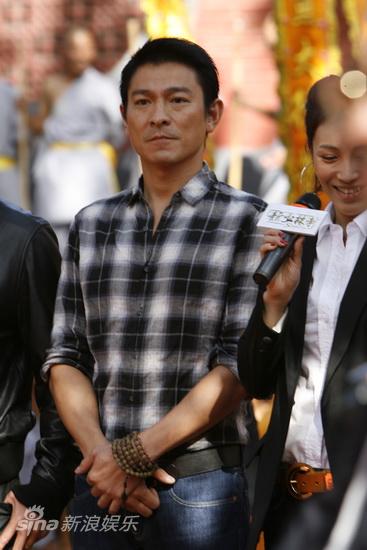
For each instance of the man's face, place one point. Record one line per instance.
(166, 118)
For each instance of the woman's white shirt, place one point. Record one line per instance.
(332, 269)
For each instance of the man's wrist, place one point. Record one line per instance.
(151, 445)
(130, 455)
(88, 446)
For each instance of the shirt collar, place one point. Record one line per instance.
(136, 192)
(327, 222)
(198, 186)
(193, 190)
(360, 221)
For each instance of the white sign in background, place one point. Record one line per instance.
(293, 219)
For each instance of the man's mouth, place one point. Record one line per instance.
(159, 137)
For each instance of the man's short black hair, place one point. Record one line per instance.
(174, 50)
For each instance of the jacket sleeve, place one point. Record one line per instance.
(260, 355)
(55, 452)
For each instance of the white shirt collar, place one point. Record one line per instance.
(360, 221)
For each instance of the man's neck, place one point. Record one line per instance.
(160, 184)
(164, 182)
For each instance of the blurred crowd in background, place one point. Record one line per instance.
(62, 141)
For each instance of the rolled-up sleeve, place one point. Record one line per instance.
(241, 295)
(69, 343)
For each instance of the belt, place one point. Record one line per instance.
(302, 481)
(205, 460)
(6, 163)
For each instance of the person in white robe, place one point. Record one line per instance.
(75, 162)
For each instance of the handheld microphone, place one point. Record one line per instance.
(272, 261)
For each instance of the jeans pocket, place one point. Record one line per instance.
(209, 489)
(202, 503)
(207, 511)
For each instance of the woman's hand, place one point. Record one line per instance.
(280, 289)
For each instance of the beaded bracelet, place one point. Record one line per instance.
(130, 455)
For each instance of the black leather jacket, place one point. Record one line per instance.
(29, 271)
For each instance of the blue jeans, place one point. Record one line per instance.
(206, 511)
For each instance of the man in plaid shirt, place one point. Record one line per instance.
(156, 288)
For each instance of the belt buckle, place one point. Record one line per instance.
(293, 470)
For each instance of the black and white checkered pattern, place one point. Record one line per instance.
(146, 316)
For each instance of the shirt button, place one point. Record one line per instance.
(131, 398)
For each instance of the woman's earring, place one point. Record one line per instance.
(303, 172)
(306, 183)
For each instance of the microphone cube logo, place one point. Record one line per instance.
(291, 219)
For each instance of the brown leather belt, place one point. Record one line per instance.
(302, 481)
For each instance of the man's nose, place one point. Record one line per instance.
(159, 114)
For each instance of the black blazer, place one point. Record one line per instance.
(311, 528)
(270, 363)
(29, 271)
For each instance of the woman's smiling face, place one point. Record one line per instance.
(339, 151)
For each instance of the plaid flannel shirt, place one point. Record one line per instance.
(146, 316)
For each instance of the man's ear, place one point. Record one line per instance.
(123, 112)
(214, 115)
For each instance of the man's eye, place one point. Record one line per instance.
(179, 99)
(141, 101)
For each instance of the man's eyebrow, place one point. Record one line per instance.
(171, 89)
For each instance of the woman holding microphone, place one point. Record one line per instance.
(310, 323)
